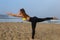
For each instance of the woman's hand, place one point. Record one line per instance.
(9, 13)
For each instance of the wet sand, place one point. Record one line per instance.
(22, 31)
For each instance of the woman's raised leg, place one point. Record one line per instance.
(44, 19)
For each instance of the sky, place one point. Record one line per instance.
(39, 8)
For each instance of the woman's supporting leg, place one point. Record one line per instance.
(33, 29)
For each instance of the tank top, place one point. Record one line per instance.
(24, 19)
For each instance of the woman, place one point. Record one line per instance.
(33, 20)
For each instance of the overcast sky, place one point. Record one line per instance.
(39, 8)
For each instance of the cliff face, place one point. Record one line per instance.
(22, 31)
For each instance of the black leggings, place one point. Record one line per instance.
(34, 20)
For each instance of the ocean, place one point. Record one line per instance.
(10, 20)
(19, 20)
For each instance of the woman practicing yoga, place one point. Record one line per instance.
(33, 20)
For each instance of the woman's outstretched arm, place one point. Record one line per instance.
(15, 15)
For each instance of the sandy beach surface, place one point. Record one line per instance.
(22, 31)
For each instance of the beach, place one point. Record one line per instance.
(23, 30)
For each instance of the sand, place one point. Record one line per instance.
(22, 31)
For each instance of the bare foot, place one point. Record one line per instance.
(55, 18)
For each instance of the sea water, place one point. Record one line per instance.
(10, 20)
(19, 20)
(52, 21)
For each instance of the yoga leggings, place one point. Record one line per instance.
(34, 20)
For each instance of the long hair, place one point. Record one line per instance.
(24, 13)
